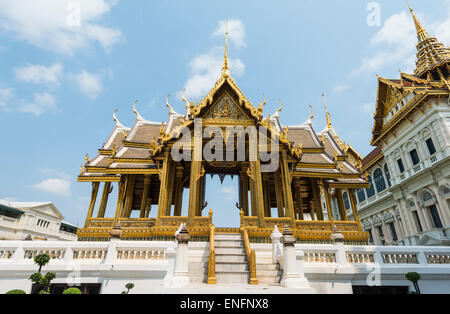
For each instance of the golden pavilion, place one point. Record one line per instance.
(311, 189)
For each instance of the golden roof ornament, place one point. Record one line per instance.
(261, 105)
(138, 116)
(118, 124)
(277, 113)
(312, 113)
(188, 105)
(82, 170)
(329, 126)
(86, 159)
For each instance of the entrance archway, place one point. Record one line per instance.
(222, 197)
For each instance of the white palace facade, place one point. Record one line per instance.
(408, 202)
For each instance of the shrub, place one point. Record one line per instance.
(72, 291)
(16, 291)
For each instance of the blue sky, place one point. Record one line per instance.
(60, 81)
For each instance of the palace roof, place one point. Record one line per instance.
(398, 98)
(138, 149)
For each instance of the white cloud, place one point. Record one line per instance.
(339, 88)
(88, 83)
(48, 24)
(236, 32)
(39, 74)
(6, 94)
(206, 68)
(395, 43)
(41, 103)
(398, 39)
(57, 186)
(229, 193)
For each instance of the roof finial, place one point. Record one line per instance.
(326, 112)
(312, 113)
(422, 34)
(225, 68)
(118, 124)
(171, 111)
(187, 107)
(138, 116)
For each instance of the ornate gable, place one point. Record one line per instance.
(226, 110)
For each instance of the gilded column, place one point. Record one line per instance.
(352, 194)
(179, 191)
(170, 192)
(329, 208)
(164, 178)
(244, 188)
(129, 196)
(104, 201)
(144, 200)
(341, 205)
(94, 192)
(287, 188)
(298, 195)
(120, 199)
(255, 169)
(279, 194)
(317, 199)
(267, 207)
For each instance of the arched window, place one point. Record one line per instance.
(371, 190)
(414, 157)
(361, 195)
(427, 197)
(379, 180)
(387, 174)
(346, 201)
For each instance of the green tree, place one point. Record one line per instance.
(414, 278)
(128, 286)
(41, 260)
(16, 291)
(72, 290)
(42, 283)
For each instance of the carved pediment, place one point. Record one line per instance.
(225, 109)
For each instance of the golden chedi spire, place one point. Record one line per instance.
(225, 68)
(422, 34)
(432, 56)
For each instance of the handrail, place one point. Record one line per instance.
(251, 257)
(212, 257)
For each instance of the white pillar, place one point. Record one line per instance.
(293, 273)
(181, 274)
(275, 237)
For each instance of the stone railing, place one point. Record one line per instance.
(386, 255)
(94, 253)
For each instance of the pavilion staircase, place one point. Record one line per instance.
(231, 260)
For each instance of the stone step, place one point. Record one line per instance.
(264, 267)
(232, 277)
(226, 258)
(229, 266)
(228, 236)
(230, 243)
(230, 250)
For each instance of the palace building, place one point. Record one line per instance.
(408, 202)
(140, 161)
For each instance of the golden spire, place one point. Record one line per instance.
(327, 114)
(422, 34)
(225, 68)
